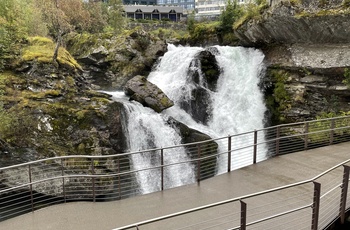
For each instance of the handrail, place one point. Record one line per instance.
(91, 177)
(233, 200)
(183, 145)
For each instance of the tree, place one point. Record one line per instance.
(229, 15)
(98, 16)
(12, 31)
(116, 20)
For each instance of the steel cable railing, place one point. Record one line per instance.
(30, 186)
(314, 214)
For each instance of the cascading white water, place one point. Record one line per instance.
(147, 129)
(237, 106)
(237, 103)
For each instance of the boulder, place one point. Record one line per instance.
(207, 148)
(204, 72)
(209, 67)
(148, 94)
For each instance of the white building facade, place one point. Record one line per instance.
(211, 7)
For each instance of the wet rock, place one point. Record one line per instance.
(206, 149)
(148, 94)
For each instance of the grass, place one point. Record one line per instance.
(42, 49)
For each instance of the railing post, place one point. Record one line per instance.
(331, 135)
(31, 187)
(162, 168)
(63, 183)
(243, 215)
(199, 163)
(229, 154)
(278, 140)
(255, 146)
(93, 180)
(119, 184)
(306, 136)
(344, 193)
(316, 205)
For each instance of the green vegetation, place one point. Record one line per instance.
(202, 31)
(346, 80)
(232, 17)
(20, 19)
(278, 100)
(252, 10)
(42, 49)
(324, 137)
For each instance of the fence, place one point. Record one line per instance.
(302, 205)
(33, 185)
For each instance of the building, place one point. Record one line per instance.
(139, 2)
(173, 13)
(186, 4)
(211, 7)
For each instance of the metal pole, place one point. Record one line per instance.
(278, 140)
(63, 184)
(243, 215)
(119, 189)
(316, 205)
(93, 180)
(344, 193)
(331, 136)
(229, 154)
(162, 167)
(306, 136)
(199, 163)
(31, 187)
(255, 146)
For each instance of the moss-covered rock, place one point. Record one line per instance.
(41, 49)
(148, 94)
(110, 61)
(52, 110)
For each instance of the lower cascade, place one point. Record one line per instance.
(217, 101)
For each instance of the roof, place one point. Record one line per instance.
(150, 9)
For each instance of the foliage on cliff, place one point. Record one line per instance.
(51, 110)
(52, 18)
(41, 49)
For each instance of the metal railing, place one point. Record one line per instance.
(308, 208)
(30, 186)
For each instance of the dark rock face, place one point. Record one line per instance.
(209, 67)
(204, 66)
(148, 94)
(199, 105)
(205, 149)
(313, 81)
(288, 24)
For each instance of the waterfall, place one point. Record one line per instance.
(146, 129)
(235, 106)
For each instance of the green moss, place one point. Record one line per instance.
(324, 12)
(8, 79)
(80, 44)
(42, 49)
(164, 101)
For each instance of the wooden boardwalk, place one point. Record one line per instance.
(275, 172)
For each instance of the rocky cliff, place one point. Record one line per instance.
(109, 61)
(307, 47)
